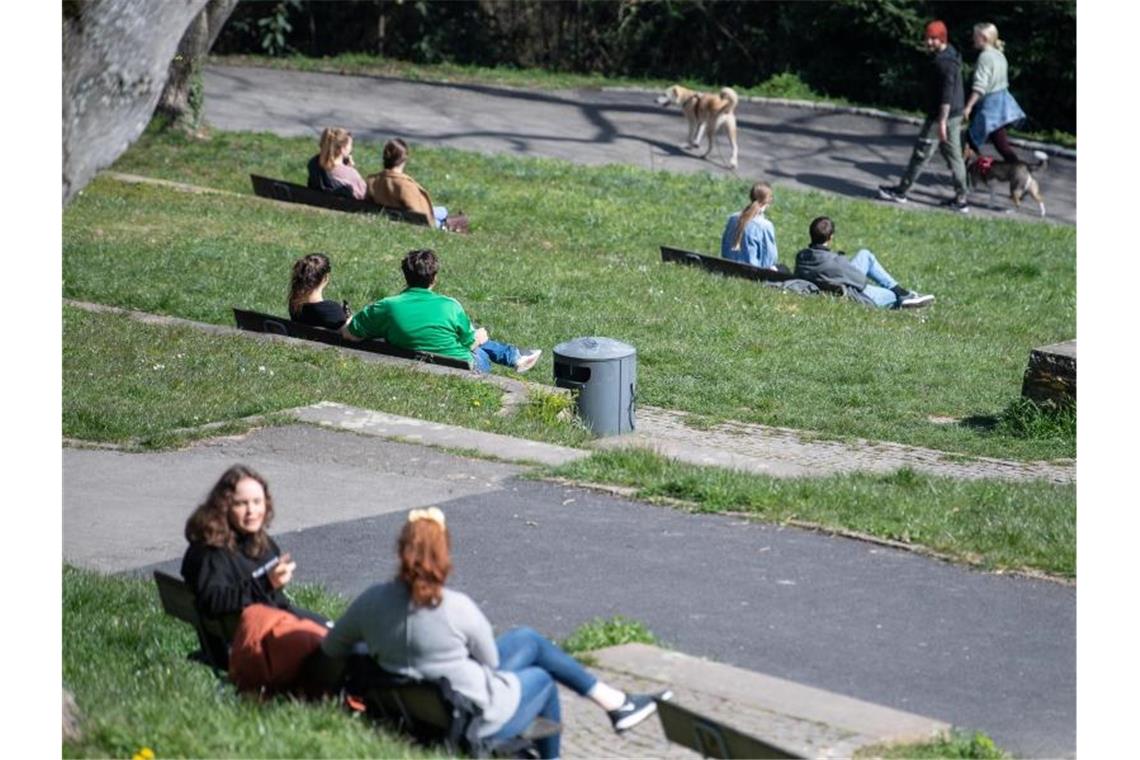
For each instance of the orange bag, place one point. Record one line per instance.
(269, 647)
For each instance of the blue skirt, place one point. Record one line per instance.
(997, 110)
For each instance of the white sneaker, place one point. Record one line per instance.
(914, 300)
(527, 359)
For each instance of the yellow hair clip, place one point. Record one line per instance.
(435, 514)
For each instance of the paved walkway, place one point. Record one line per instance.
(982, 651)
(809, 148)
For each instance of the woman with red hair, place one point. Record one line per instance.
(414, 626)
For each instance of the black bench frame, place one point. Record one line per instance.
(722, 266)
(434, 713)
(280, 190)
(178, 601)
(711, 738)
(255, 321)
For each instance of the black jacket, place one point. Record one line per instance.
(945, 83)
(319, 179)
(225, 582)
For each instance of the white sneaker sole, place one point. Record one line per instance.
(528, 362)
(631, 720)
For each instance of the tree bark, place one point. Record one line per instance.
(115, 59)
(176, 103)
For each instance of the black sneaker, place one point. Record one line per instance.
(637, 708)
(914, 300)
(892, 193)
(958, 203)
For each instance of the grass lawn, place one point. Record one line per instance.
(560, 250)
(127, 381)
(784, 85)
(994, 524)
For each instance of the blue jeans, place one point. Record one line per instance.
(440, 214)
(539, 664)
(880, 292)
(494, 351)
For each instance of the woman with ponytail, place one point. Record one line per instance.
(749, 237)
(414, 626)
(998, 109)
(307, 302)
(332, 169)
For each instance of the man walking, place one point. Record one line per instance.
(945, 99)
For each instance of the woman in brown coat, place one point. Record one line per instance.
(395, 189)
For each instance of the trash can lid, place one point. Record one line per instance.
(594, 348)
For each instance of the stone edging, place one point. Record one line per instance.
(1049, 148)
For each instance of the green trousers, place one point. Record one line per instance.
(951, 151)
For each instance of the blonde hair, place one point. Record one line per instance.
(333, 141)
(761, 195)
(989, 33)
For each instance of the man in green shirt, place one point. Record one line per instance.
(419, 319)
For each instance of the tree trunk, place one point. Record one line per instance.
(179, 104)
(115, 59)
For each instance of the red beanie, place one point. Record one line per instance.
(937, 30)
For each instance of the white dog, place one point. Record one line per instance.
(706, 114)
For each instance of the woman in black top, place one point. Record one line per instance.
(232, 562)
(307, 302)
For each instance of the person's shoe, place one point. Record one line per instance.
(958, 203)
(637, 708)
(914, 300)
(527, 359)
(892, 193)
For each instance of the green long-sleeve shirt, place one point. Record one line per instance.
(419, 320)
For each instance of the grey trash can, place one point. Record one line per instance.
(603, 374)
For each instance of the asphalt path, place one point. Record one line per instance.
(816, 149)
(982, 651)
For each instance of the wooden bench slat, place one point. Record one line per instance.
(267, 323)
(280, 190)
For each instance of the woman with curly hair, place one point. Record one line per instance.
(232, 561)
(414, 626)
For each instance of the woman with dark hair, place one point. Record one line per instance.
(332, 169)
(749, 237)
(415, 627)
(307, 301)
(232, 562)
(393, 188)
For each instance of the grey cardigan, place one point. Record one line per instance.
(453, 640)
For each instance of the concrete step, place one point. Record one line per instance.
(807, 721)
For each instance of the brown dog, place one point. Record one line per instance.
(706, 114)
(983, 170)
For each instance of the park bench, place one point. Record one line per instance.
(178, 601)
(430, 711)
(718, 265)
(280, 190)
(712, 738)
(434, 713)
(267, 323)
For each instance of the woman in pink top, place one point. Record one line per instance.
(332, 170)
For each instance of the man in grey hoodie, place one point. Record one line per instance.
(861, 278)
(945, 101)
